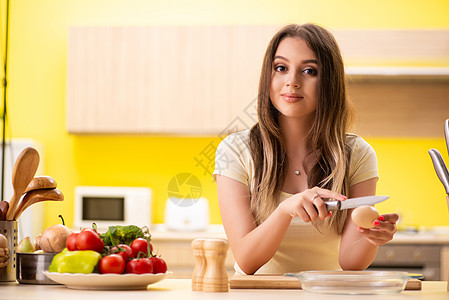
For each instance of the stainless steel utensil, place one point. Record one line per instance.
(10, 230)
(446, 133)
(354, 202)
(440, 168)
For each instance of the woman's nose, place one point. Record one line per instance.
(293, 79)
(295, 85)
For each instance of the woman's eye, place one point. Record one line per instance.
(311, 71)
(280, 68)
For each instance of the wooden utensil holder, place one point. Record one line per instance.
(9, 230)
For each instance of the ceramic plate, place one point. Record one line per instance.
(97, 281)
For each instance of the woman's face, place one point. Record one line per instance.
(294, 79)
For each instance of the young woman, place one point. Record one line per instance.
(272, 190)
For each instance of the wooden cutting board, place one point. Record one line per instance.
(283, 282)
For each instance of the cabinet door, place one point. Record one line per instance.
(183, 80)
(203, 80)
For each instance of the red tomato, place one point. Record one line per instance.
(140, 245)
(124, 251)
(88, 239)
(139, 266)
(159, 265)
(113, 263)
(71, 242)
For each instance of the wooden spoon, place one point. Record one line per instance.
(37, 196)
(41, 182)
(24, 170)
(4, 205)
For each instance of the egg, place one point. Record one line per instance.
(364, 216)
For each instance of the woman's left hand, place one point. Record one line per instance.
(383, 230)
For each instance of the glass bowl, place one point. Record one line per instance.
(352, 282)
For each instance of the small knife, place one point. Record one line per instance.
(354, 202)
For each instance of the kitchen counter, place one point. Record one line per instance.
(160, 233)
(425, 251)
(426, 237)
(181, 289)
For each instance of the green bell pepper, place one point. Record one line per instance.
(75, 261)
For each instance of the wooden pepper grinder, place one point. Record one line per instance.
(215, 278)
(200, 266)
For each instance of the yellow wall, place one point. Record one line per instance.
(37, 89)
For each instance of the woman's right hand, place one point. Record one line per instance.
(309, 205)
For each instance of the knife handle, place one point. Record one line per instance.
(333, 205)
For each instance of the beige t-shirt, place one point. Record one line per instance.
(303, 247)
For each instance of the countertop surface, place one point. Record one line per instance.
(420, 238)
(181, 289)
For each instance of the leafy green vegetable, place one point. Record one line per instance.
(124, 235)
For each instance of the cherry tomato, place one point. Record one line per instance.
(140, 245)
(159, 265)
(124, 251)
(113, 263)
(88, 239)
(139, 266)
(71, 242)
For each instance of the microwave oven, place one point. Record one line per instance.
(106, 206)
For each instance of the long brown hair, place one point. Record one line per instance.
(327, 135)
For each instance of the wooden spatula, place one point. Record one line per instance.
(4, 205)
(24, 170)
(41, 182)
(37, 196)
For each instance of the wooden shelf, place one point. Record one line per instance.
(397, 73)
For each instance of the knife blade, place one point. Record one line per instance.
(354, 202)
(440, 168)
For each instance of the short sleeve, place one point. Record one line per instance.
(232, 156)
(363, 161)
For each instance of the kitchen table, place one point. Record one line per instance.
(181, 289)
